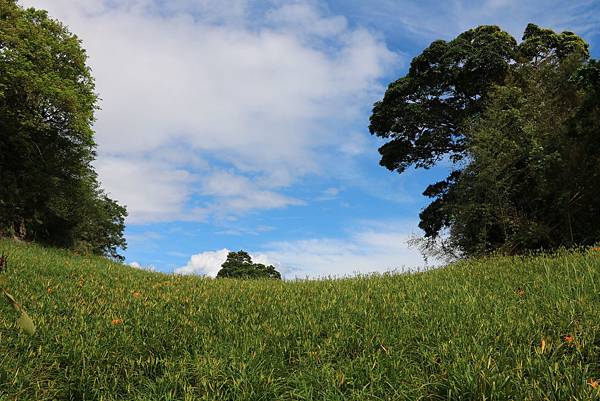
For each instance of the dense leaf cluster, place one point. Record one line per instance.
(239, 265)
(48, 189)
(520, 122)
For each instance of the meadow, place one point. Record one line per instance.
(498, 328)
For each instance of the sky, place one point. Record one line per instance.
(243, 124)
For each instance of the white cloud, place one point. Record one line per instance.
(229, 11)
(357, 143)
(209, 263)
(373, 247)
(235, 193)
(136, 265)
(329, 194)
(235, 229)
(157, 191)
(304, 18)
(205, 76)
(144, 236)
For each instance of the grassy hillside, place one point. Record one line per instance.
(500, 328)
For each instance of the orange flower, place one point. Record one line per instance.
(137, 294)
(593, 382)
(596, 249)
(568, 339)
(115, 322)
(49, 290)
(543, 345)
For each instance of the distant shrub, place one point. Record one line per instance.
(239, 265)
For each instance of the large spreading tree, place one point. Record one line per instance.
(48, 189)
(519, 124)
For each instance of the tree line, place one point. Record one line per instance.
(520, 125)
(49, 191)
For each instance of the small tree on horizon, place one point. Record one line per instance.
(239, 265)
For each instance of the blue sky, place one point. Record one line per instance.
(237, 124)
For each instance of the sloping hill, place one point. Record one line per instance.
(499, 328)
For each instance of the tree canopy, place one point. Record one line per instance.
(48, 189)
(239, 265)
(519, 122)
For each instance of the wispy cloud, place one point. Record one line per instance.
(429, 20)
(369, 247)
(328, 194)
(238, 194)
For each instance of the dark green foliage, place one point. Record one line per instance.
(423, 113)
(543, 45)
(48, 189)
(521, 124)
(239, 265)
(533, 175)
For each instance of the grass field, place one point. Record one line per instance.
(493, 329)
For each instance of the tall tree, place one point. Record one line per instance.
(48, 189)
(430, 114)
(423, 113)
(528, 172)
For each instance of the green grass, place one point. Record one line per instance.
(462, 333)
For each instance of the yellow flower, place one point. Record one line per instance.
(543, 345)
